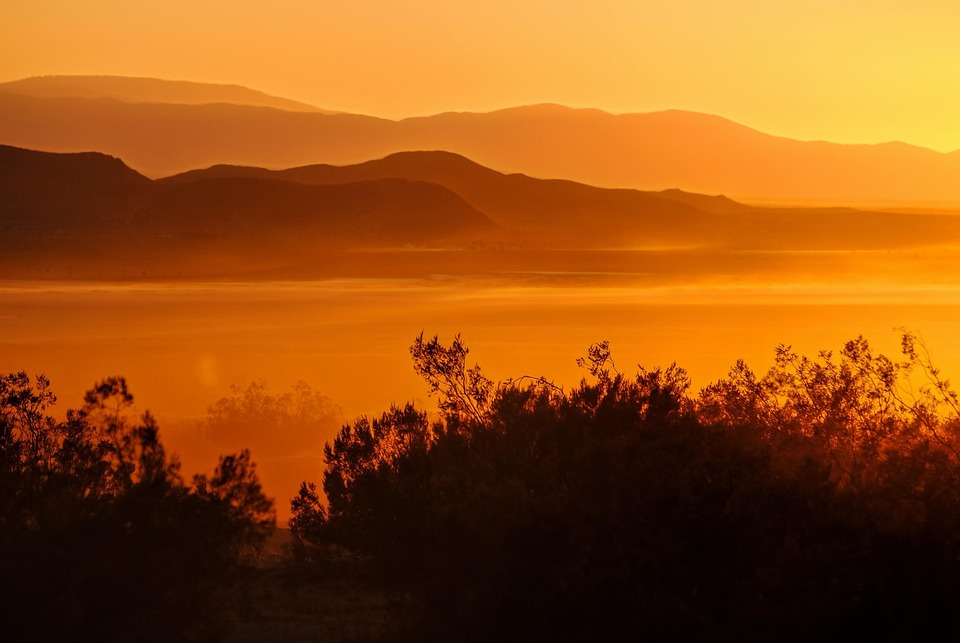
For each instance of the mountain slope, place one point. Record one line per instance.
(656, 151)
(690, 151)
(63, 202)
(684, 150)
(161, 139)
(90, 215)
(377, 212)
(557, 213)
(547, 211)
(149, 90)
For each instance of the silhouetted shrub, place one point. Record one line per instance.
(821, 498)
(100, 538)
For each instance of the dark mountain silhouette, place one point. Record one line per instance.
(149, 90)
(714, 204)
(41, 182)
(551, 212)
(377, 212)
(655, 151)
(89, 214)
(63, 204)
(162, 139)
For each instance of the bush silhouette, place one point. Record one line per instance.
(100, 538)
(821, 497)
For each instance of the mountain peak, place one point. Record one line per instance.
(17, 164)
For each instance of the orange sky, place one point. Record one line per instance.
(851, 71)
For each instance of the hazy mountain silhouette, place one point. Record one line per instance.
(691, 151)
(550, 212)
(714, 204)
(377, 212)
(655, 151)
(515, 197)
(46, 182)
(161, 139)
(150, 90)
(89, 214)
(61, 203)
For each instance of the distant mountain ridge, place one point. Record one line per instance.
(551, 211)
(655, 151)
(88, 215)
(150, 90)
(565, 213)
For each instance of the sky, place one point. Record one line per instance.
(850, 71)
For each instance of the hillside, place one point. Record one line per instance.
(692, 152)
(552, 212)
(653, 151)
(549, 211)
(88, 215)
(149, 90)
(84, 215)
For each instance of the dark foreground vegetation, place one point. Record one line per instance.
(819, 500)
(100, 537)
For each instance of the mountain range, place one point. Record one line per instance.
(150, 90)
(162, 128)
(88, 215)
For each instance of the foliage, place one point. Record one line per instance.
(295, 421)
(461, 390)
(821, 496)
(100, 538)
(245, 513)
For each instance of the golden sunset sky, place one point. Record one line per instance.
(849, 71)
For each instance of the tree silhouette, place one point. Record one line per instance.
(295, 421)
(460, 389)
(100, 538)
(821, 496)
